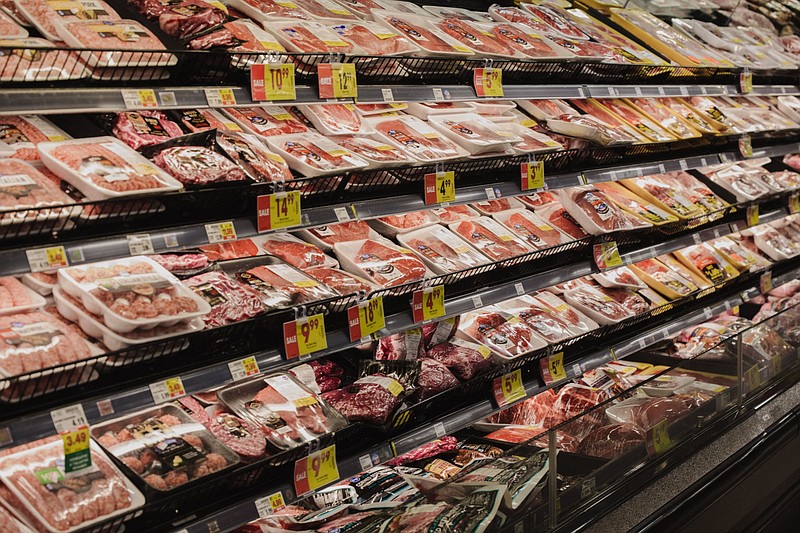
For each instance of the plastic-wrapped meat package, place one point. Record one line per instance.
(31, 61)
(319, 376)
(117, 43)
(654, 411)
(664, 193)
(60, 503)
(664, 116)
(641, 209)
(762, 344)
(417, 138)
(627, 298)
(384, 263)
(270, 10)
(545, 110)
(703, 260)
(696, 120)
(506, 335)
(294, 251)
(612, 441)
(8, 26)
(434, 378)
(699, 192)
(266, 121)
(672, 285)
(444, 444)
(375, 152)
(340, 281)
(282, 285)
(595, 109)
(197, 165)
(589, 128)
(206, 119)
(474, 38)
(539, 199)
(531, 412)
(144, 128)
(22, 133)
(597, 305)
(739, 256)
(326, 236)
(374, 39)
(537, 233)
(442, 250)
(634, 117)
(35, 340)
(371, 399)
(22, 186)
(230, 250)
(465, 359)
(239, 36)
(520, 17)
(335, 119)
(598, 31)
(792, 160)
(311, 38)
(528, 45)
(595, 212)
(439, 331)
(710, 111)
(258, 162)
(516, 435)
(744, 184)
(558, 21)
(473, 132)
(533, 141)
(230, 301)
(314, 155)
(543, 321)
(44, 15)
(455, 213)
(577, 321)
(189, 17)
(393, 225)
(574, 400)
(416, 29)
(180, 263)
(403, 346)
(490, 238)
(9, 523)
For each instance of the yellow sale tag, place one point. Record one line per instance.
(532, 175)
(440, 188)
(278, 210)
(56, 257)
(508, 388)
(305, 335)
(345, 84)
(794, 204)
(366, 318)
(488, 82)
(606, 255)
(316, 470)
(428, 304)
(752, 215)
(660, 432)
(76, 440)
(174, 387)
(746, 81)
(272, 81)
(147, 97)
(556, 365)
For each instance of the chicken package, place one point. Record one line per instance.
(634, 205)
(257, 161)
(22, 186)
(230, 301)
(417, 29)
(335, 119)
(304, 37)
(465, 359)
(442, 251)
(417, 138)
(506, 335)
(282, 285)
(619, 278)
(294, 251)
(455, 213)
(704, 260)
(474, 133)
(597, 305)
(543, 321)
(326, 236)
(34, 476)
(33, 61)
(238, 36)
(424, 110)
(131, 293)
(589, 128)
(662, 192)
(376, 40)
(117, 43)
(23, 132)
(286, 411)
(144, 128)
(491, 207)
(16, 297)
(663, 115)
(475, 38)
(378, 154)
(198, 165)
(35, 341)
(105, 167)
(381, 261)
(164, 447)
(537, 233)
(342, 282)
(612, 441)
(313, 155)
(265, 121)
(393, 225)
(44, 14)
(491, 238)
(663, 280)
(595, 212)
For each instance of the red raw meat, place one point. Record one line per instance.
(343, 232)
(538, 199)
(278, 9)
(341, 119)
(474, 38)
(443, 255)
(189, 17)
(326, 375)
(611, 441)
(531, 412)
(434, 378)
(463, 359)
(367, 400)
(230, 301)
(538, 236)
(310, 153)
(299, 254)
(597, 301)
(387, 266)
(627, 298)
(589, 49)
(230, 250)
(324, 11)
(21, 186)
(13, 293)
(564, 221)
(494, 206)
(426, 39)
(430, 449)
(340, 281)
(574, 400)
(515, 14)
(282, 285)
(515, 435)
(601, 210)
(238, 434)
(259, 163)
(267, 122)
(202, 120)
(144, 128)
(508, 335)
(372, 150)
(196, 165)
(237, 36)
(408, 221)
(374, 41)
(454, 213)
(556, 20)
(545, 322)
(487, 242)
(654, 411)
(422, 144)
(292, 419)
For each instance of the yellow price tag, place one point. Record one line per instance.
(752, 216)
(746, 146)
(174, 387)
(746, 81)
(76, 449)
(222, 231)
(532, 175)
(440, 188)
(278, 210)
(660, 436)
(428, 304)
(337, 80)
(316, 470)
(366, 318)
(508, 388)
(555, 366)
(305, 335)
(794, 204)
(47, 258)
(272, 81)
(606, 255)
(488, 82)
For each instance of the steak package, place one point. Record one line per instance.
(506, 335)
(537, 233)
(294, 251)
(197, 165)
(375, 39)
(342, 282)
(282, 285)
(416, 28)
(392, 225)
(376, 153)
(416, 137)
(465, 359)
(490, 238)
(442, 250)
(164, 447)
(385, 263)
(326, 236)
(265, 121)
(144, 128)
(313, 155)
(335, 119)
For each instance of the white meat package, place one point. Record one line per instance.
(506, 335)
(491, 238)
(417, 138)
(314, 155)
(597, 305)
(595, 212)
(474, 133)
(442, 250)
(537, 233)
(381, 261)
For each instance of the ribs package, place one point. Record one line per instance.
(164, 447)
(22, 186)
(62, 503)
(230, 301)
(491, 238)
(105, 167)
(132, 293)
(595, 212)
(381, 261)
(537, 233)
(294, 251)
(32, 61)
(416, 137)
(286, 411)
(198, 165)
(313, 155)
(23, 132)
(506, 335)
(474, 133)
(144, 128)
(257, 161)
(280, 284)
(442, 250)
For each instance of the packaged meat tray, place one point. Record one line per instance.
(489, 237)
(695, 119)
(555, 215)
(424, 110)
(366, 110)
(35, 476)
(480, 41)
(198, 165)
(474, 133)
(16, 297)
(526, 44)
(10, 523)
(22, 133)
(494, 108)
(381, 261)
(490, 207)
(371, 399)
(703, 260)
(206, 119)
(558, 21)
(545, 110)
(739, 256)
(239, 36)
(131, 293)
(314, 155)
(378, 154)
(634, 116)
(32, 61)
(104, 167)
(9, 27)
(336, 119)
(311, 38)
(265, 121)
(595, 109)
(455, 213)
(144, 128)
(538, 199)
(22, 186)
(327, 10)
(41, 282)
(442, 250)
(665, 194)
(506, 335)
(393, 225)
(465, 359)
(595, 212)
(326, 236)
(376, 40)
(619, 278)
(44, 14)
(257, 161)
(634, 205)
(188, 18)
(93, 326)
(115, 36)
(287, 412)
(424, 35)
(164, 447)
(342, 282)
(230, 301)
(458, 13)
(280, 284)
(544, 321)
(294, 251)
(774, 245)
(663, 115)
(537, 233)
(576, 320)
(598, 306)
(589, 128)
(417, 138)
(533, 142)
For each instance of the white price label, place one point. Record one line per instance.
(477, 302)
(243, 368)
(438, 95)
(519, 288)
(387, 94)
(222, 231)
(696, 238)
(707, 313)
(68, 418)
(684, 165)
(140, 244)
(439, 429)
(341, 214)
(490, 194)
(220, 97)
(365, 461)
(168, 99)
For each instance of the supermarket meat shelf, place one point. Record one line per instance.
(249, 509)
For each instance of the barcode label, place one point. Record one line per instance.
(68, 418)
(387, 94)
(140, 244)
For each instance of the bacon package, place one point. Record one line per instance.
(197, 165)
(230, 301)
(381, 261)
(265, 121)
(537, 233)
(257, 161)
(506, 335)
(282, 285)
(417, 138)
(442, 250)
(313, 155)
